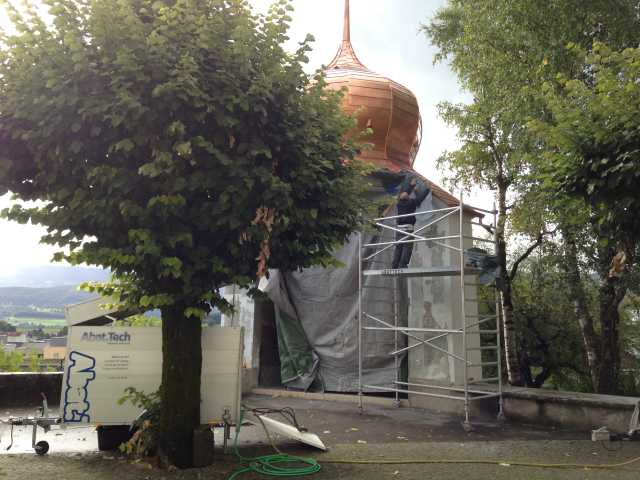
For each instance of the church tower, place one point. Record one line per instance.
(388, 108)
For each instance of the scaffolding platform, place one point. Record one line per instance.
(421, 272)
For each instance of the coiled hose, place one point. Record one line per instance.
(274, 465)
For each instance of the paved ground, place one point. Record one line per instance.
(380, 434)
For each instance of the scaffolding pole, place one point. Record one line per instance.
(463, 313)
(360, 359)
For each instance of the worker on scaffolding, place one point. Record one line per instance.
(412, 194)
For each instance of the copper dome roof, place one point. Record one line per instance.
(383, 105)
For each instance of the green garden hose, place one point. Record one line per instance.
(275, 465)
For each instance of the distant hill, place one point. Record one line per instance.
(43, 292)
(25, 302)
(52, 276)
(51, 297)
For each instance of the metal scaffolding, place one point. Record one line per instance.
(485, 327)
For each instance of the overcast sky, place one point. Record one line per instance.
(386, 38)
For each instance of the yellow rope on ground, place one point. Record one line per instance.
(505, 463)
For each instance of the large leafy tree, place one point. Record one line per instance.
(177, 143)
(490, 157)
(593, 137)
(503, 52)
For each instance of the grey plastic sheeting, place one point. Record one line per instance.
(317, 320)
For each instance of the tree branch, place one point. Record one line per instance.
(497, 157)
(525, 255)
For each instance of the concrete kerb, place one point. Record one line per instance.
(573, 410)
(329, 397)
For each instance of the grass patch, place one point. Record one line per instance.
(47, 330)
(50, 326)
(45, 322)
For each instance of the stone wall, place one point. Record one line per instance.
(568, 410)
(582, 411)
(23, 389)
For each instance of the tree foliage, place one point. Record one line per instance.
(593, 138)
(179, 145)
(6, 327)
(513, 58)
(549, 337)
(10, 361)
(503, 53)
(169, 142)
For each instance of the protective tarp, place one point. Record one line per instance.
(298, 360)
(317, 318)
(488, 265)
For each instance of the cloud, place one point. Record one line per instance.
(20, 244)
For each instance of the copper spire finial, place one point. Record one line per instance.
(346, 35)
(346, 57)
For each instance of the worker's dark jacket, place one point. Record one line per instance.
(410, 204)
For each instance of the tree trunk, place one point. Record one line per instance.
(589, 337)
(611, 294)
(180, 391)
(508, 324)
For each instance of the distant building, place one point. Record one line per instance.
(36, 346)
(56, 349)
(15, 337)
